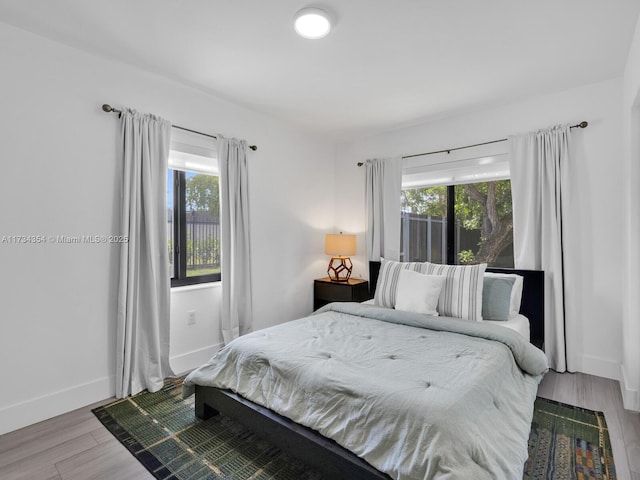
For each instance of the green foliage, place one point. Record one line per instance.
(425, 201)
(483, 207)
(203, 195)
(466, 257)
(470, 212)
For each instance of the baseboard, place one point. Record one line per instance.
(630, 397)
(186, 362)
(23, 414)
(51, 405)
(600, 367)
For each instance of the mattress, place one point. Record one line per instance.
(516, 322)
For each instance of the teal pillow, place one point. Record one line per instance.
(496, 297)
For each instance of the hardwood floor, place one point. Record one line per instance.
(604, 395)
(76, 446)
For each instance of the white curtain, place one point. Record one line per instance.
(539, 162)
(383, 183)
(237, 312)
(142, 334)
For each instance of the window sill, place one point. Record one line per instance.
(196, 286)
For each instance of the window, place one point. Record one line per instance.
(458, 212)
(480, 230)
(193, 202)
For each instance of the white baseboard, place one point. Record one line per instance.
(630, 397)
(28, 412)
(186, 362)
(600, 367)
(51, 405)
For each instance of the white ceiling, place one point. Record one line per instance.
(385, 63)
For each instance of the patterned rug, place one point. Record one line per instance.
(568, 442)
(162, 432)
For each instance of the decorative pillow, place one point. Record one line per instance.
(461, 295)
(418, 292)
(496, 297)
(516, 291)
(387, 285)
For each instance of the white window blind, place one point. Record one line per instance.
(470, 165)
(193, 152)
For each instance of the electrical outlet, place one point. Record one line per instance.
(191, 317)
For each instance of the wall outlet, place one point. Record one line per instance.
(191, 317)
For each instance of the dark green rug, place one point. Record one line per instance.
(162, 432)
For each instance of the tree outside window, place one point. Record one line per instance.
(482, 224)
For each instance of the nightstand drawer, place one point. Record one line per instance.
(325, 291)
(333, 293)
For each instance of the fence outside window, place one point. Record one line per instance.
(424, 239)
(203, 243)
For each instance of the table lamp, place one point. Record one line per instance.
(340, 246)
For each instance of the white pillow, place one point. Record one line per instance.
(516, 291)
(461, 295)
(418, 292)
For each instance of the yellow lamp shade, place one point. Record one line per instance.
(340, 245)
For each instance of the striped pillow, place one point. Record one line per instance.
(387, 285)
(461, 295)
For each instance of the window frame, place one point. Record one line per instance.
(451, 225)
(180, 278)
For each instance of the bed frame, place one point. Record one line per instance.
(321, 453)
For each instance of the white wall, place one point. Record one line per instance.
(595, 258)
(630, 369)
(60, 177)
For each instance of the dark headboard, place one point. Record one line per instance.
(532, 305)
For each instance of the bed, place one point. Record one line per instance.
(344, 389)
(531, 305)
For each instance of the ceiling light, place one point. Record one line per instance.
(312, 23)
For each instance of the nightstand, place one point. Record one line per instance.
(325, 291)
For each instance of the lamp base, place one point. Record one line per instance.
(340, 269)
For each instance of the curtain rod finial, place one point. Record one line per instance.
(109, 109)
(253, 147)
(583, 124)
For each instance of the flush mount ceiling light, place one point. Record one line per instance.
(312, 23)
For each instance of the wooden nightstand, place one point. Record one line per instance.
(325, 291)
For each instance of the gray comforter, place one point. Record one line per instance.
(415, 396)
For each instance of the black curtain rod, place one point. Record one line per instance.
(109, 109)
(449, 150)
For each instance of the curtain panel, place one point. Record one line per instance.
(142, 331)
(237, 310)
(383, 185)
(539, 173)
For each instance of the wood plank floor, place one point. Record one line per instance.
(76, 445)
(601, 394)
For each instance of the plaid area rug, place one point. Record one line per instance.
(162, 432)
